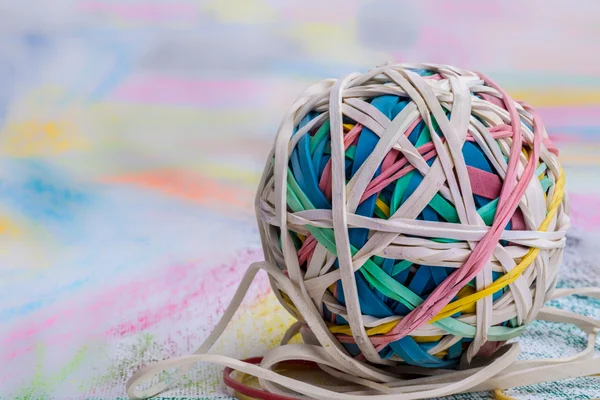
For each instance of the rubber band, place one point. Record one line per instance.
(499, 395)
(246, 392)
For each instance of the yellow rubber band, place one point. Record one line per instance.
(499, 395)
(376, 330)
(382, 330)
(383, 207)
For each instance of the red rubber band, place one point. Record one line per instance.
(253, 392)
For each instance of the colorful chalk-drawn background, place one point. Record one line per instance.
(133, 133)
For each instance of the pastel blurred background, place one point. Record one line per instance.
(133, 134)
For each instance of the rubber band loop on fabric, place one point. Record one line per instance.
(246, 391)
(527, 375)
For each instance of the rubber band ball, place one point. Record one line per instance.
(413, 220)
(418, 210)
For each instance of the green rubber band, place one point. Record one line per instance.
(319, 136)
(401, 266)
(444, 208)
(488, 211)
(546, 183)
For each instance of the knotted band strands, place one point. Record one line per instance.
(413, 220)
